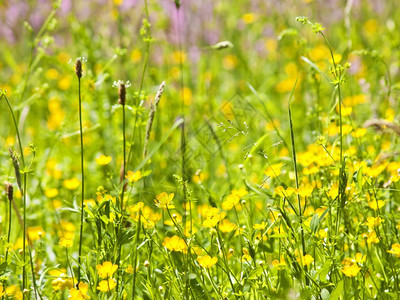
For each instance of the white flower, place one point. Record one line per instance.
(116, 84)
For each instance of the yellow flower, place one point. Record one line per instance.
(246, 256)
(360, 258)
(248, 18)
(80, 293)
(65, 243)
(376, 204)
(234, 198)
(305, 191)
(72, 183)
(322, 233)
(2, 292)
(35, 233)
(107, 269)
(359, 132)
(373, 222)
(207, 261)
(351, 270)
(279, 264)
(14, 291)
(133, 176)
(372, 238)
(274, 170)
(260, 226)
(227, 226)
(280, 190)
(164, 200)
(230, 62)
(395, 250)
(213, 216)
(61, 283)
(306, 259)
(103, 160)
(51, 193)
(175, 243)
(129, 269)
(107, 285)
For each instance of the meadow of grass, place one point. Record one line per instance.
(199, 149)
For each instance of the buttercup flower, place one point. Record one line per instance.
(164, 200)
(207, 261)
(107, 285)
(107, 269)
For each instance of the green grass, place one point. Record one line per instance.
(256, 155)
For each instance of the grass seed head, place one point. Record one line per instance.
(10, 191)
(78, 68)
(122, 94)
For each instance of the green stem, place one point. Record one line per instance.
(83, 181)
(136, 256)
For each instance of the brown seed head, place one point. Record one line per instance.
(10, 192)
(78, 68)
(122, 94)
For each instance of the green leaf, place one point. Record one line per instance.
(325, 270)
(314, 223)
(337, 292)
(105, 219)
(255, 273)
(325, 294)
(360, 178)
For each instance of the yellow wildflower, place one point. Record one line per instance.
(51, 193)
(395, 250)
(273, 170)
(103, 160)
(376, 204)
(107, 269)
(133, 176)
(279, 264)
(72, 183)
(65, 243)
(35, 233)
(260, 226)
(373, 222)
(213, 216)
(227, 226)
(207, 261)
(351, 270)
(80, 293)
(107, 285)
(164, 200)
(372, 238)
(306, 259)
(175, 243)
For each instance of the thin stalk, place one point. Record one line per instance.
(24, 238)
(70, 267)
(124, 163)
(136, 256)
(83, 181)
(146, 60)
(297, 178)
(9, 228)
(121, 204)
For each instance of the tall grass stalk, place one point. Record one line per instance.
(297, 178)
(78, 71)
(136, 255)
(153, 109)
(147, 40)
(23, 190)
